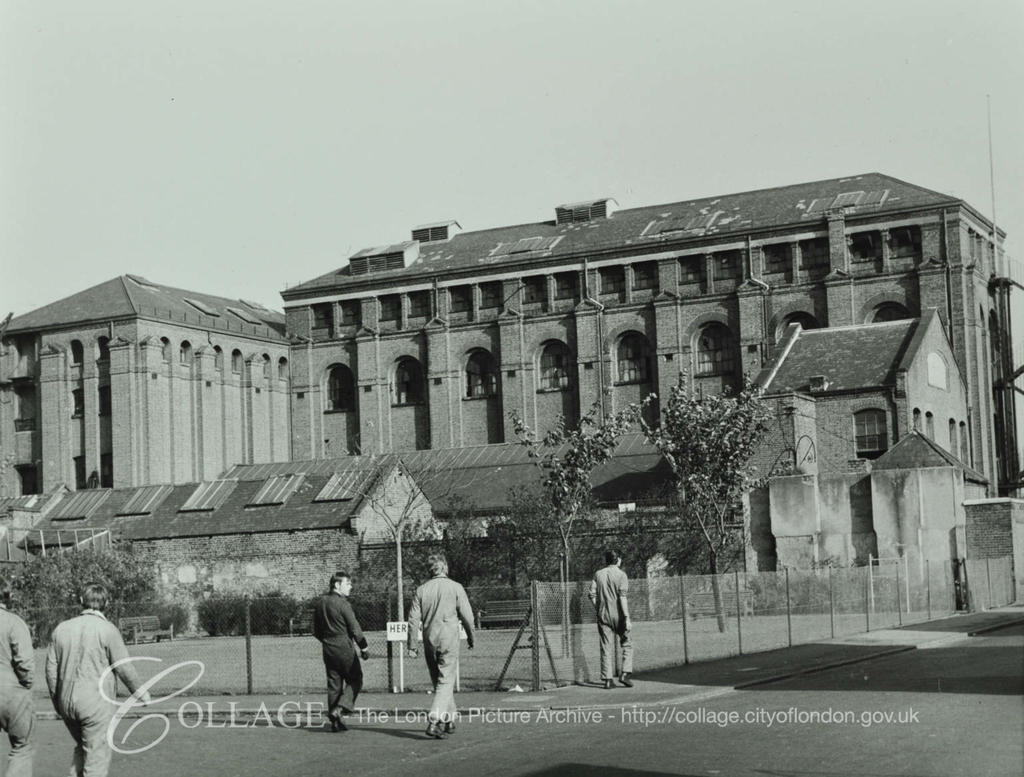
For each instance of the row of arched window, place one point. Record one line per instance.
(185, 356)
(959, 438)
(715, 355)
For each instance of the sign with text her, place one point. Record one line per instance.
(398, 631)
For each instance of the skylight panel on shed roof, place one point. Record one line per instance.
(80, 504)
(341, 487)
(208, 496)
(247, 317)
(276, 490)
(202, 307)
(145, 500)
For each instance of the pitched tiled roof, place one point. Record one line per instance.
(649, 227)
(480, 477)
(299, 512)
(918, 451)
(849, 357)
(129, 296)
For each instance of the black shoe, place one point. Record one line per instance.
(449, 727)
(608, 685)
(337, 724)
(434, 731)
(624, 679)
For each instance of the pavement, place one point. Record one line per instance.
(668, 686)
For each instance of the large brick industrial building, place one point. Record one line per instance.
(430, 343)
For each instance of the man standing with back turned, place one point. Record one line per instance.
(335, 625)
(608, 594)
(17, 664)
(440, 604)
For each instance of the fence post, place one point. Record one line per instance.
(789, 620)
(867, 599)
(739, 621)
(682, 597)
(248, 645)
(988, 574)
(928, 587)
(831, 605)
(899, 605)
(535, 634)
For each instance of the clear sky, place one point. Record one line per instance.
(240, 146)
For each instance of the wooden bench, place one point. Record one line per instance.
(703, 603)
(302, 624)
(139, 628)
(510, 612)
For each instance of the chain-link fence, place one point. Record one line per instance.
(541, 636)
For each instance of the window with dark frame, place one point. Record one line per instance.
(461, 299)
(106, 470)
(865, 246)
(419, 304)
(634, 360)
(77, 403)
(534, 289)
(236, 362)
(103, 396)
(905, 241)
(77, 352)
(80, 477)
(340, 389)
(554, 367)
(323, 315)
(390, 307)
(715, 351)
(408, 388)
(566, 285)
(613, 280)
(645, 276)
(481, 375)
(814, 253)
(351, 313)
(870, 433)
(777, 257)
(691, 269)
(103, 349)
(490, 294)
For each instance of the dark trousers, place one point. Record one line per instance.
(344, 678)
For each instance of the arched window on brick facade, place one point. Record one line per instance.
(929, 425)
(218, 358)
(805, 320)
(282, 369)
(408, 384)
(103, 349)
(952, 438)
(715, 351)
(633, 359)
(872, 438)
(266, 366)
(236, 362)
(77, 352)
(165, 349)
(341, 389)
(554, 366)
(185, 352)
(917, 419)
(481, 375)
(965, 445)
(889, 311)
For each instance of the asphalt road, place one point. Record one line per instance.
(954, 709)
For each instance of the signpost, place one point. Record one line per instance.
(398, 631)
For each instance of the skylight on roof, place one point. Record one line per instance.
(142, 281)
(80, 504)
(276, 490)
(526, 244)
(341, 487)
(208, 496)
(255, 306)
(247, 317)
(145, 500)
(202, 307)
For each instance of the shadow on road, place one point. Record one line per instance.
(587, 770)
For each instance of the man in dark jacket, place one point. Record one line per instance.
(17, 665)
(335, 625)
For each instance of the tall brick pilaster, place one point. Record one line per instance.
(372, 390)
(516, 373)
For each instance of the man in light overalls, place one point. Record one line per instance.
(17, 666)
(439, 605)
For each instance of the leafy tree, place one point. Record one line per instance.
(709, 442)
(568, 456)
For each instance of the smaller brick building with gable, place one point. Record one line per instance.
(868, 416)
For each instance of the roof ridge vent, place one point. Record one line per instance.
(588, 210)
(437, 232)
(383, 258)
